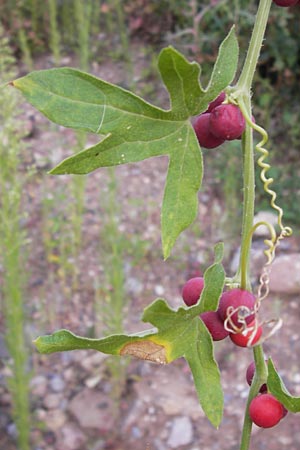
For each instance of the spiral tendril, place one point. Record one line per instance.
(272, 244)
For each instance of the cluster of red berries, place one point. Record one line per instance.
(232, 303)
(219, 123)
(264, 410)
(286, 3)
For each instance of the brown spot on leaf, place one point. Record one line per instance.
(147, 350)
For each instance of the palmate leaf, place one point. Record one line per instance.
(133, 129)
(176, 334)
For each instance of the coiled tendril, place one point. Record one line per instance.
(274, 240)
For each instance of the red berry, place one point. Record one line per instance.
(253, 120)
(227, 122)
(191, 291)
(205, 137)
(215, 325)
(266, 411)
(250, 374)
(236, 298)
(220, 99)
(241, 339)
(285, 3)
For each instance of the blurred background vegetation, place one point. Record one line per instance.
(41, 34)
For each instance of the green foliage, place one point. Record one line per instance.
(278, 389)
(11, 248)
(54, 37)
(176, 334)
(134, 129)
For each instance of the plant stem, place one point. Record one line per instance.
(244, 89)
(244, 100)
(246, 78)
(259, 378)
(249, 198)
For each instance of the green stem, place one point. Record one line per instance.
(246, 78)
(249, 198)
(243, 90)
(259, 378)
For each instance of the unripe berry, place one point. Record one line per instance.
(205, 137)
(236, 298)
(227, 122)
(266, 411)
(191, 291)
(285, 3)
(250, 374)
(241, 339)
(220, 99)
(214, 325)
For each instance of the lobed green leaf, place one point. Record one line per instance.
(135, 130)
(177, 333)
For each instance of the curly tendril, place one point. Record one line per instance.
(271, 243)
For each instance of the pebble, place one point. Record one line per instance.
(159, 290)
(134, 286)
(12, 430)
(38, 385)
(57, 383)
(181, 432)
(285, 274)
(98, 414)
(92, 360)
(41, 414)
(136, 432)
(72, 437)
(296, 378)
(92, 381)
(52, 401)
(55, 419)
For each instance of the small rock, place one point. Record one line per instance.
(12, 430)
(92, 360)
(136, 432)
(134, 286)
(57, 383)
(55, 419)
(93, 381)
(41, 414)
(69, 374)
(159, 290)
(38, 385)
(93, 409)
(159, 393)
(285, 274)
(181, 432)
(72, 437)
(52, 401)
